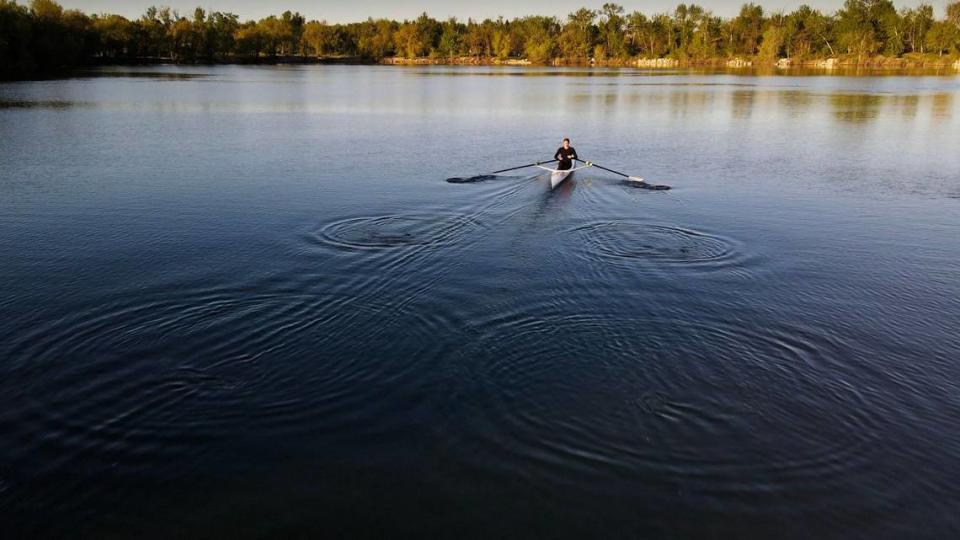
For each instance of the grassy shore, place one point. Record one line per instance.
(906, 62)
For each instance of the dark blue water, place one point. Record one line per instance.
(244, 302)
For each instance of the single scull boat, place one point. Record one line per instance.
(559, 175)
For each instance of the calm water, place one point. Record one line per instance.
(245, 301)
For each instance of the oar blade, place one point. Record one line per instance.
(640, 183)
(634, 181)
(471, 179)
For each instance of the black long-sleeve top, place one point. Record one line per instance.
(566, 157)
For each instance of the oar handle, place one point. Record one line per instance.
(523, 166)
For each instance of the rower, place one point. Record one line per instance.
(565, 155)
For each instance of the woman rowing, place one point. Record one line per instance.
(565, 155)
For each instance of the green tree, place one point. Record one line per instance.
(856, 31)
(429, 31)
(418, 38)
(577, 37)
(683, 22)
(250, 39)
(479, 38)
(184, 38)
(706, 36)
(407, 41)
(46, 10)
(153, 33)
(637, 34)
(291, 25)
(537, 35)
(611, 26)
(503, 41)
(801, 40)
(821, 30)
(53, 38)
(319, 38)
(16, 31)
(953, 14)
(746, 30)
(116, 34)
(373, 39)
(774, 38)
(916, 24)
(665, 34)
(452, 38)
(282, 35)
(943, 37)
(221, 29)
(889, 26)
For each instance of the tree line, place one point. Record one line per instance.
(43, 36)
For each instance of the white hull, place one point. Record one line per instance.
(557, 176)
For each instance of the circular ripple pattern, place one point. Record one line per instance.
(131, 383)
(593, 400)
(396, 231)
(632, 241)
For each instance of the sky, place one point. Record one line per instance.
(357, 10)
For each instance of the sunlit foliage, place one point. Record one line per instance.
(43, 36)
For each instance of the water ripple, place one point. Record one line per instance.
(145, 381)
(585, 398)
(395, 231)
(635, 242)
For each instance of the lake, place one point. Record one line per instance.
(246, 302)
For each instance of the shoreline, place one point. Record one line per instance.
(877, 63)
(836, 65)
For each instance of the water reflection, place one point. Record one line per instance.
(908, 105)
(743, 102)
(676, 94)
(855, 107)
(44, 104)
(861, 108)
(134, 74)
(583, 71)
(942, 105)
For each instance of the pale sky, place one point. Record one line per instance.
(357, 10)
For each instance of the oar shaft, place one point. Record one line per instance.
(523, 166)
(606, 169)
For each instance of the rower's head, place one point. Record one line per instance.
(566, 143)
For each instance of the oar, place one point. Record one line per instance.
(523, 166)
(627, 176)
(487, 176)
(639, 182)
